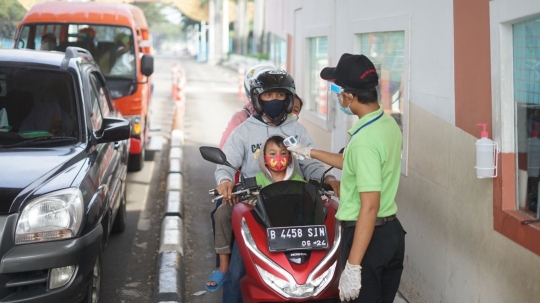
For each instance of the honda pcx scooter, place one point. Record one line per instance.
(288, 237)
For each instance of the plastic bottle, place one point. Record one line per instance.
(533, 153)
(485, 161)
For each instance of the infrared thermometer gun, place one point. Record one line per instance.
(290, 141)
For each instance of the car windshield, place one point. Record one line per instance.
(34, 104)
(112, 47)
(290, 203)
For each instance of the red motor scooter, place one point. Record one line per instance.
(289, 239)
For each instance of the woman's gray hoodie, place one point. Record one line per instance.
(243, 146)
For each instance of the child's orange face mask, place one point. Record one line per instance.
(277, 162)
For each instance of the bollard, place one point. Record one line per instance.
(174, 75)
(241, 75)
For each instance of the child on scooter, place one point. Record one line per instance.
(276, 165)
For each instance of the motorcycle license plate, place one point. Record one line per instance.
(297, 237)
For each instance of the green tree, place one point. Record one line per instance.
(162, 29)
(152, 11)
(11, 12)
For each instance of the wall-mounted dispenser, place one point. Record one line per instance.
(486, 155)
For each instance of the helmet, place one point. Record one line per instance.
(272, 80)
(254, 71)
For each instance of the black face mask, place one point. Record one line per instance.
(273, 108)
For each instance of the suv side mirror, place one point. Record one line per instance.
(114, 129)
(147, 65)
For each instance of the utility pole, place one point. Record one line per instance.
(240, 28)
(258, 27)
(202, 52)
(212, 31)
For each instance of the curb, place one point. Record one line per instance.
(169, 285)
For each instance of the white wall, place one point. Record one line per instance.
(431, 46)
(453, 254)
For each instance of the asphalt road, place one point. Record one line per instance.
(211, 99)
(129, 260)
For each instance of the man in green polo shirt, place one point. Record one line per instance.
(373, 240)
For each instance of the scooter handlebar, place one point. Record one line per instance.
(213, 192)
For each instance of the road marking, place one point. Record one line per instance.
(143, 245)
(134, 284)
(130, 293)
(138, 187)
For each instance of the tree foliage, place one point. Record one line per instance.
(161, 28)
(152, 11)
(11, 13)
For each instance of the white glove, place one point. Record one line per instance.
(300, 151)
(349, 283)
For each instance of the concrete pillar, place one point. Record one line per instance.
(196, 39)
(258, 26)
(212, 31)
(241, 28)
(202, 51)
(225, 28)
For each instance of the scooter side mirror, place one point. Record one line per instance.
(214, 155)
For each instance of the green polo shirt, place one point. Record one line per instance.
(372, 162)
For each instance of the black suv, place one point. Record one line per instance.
(63, 157)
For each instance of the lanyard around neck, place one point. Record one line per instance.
(368, 123)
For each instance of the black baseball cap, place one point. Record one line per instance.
(354, 72)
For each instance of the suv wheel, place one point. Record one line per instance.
(94, 288)
(120, 221)
(135, 162)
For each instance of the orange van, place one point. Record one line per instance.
(117, 36)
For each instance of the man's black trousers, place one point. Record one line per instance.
(382, 264)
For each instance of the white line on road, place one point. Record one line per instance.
(138, 187)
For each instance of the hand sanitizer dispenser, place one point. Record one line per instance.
(486, 155)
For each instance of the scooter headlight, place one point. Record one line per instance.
(293, 290)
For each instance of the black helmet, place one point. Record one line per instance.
(273, 80)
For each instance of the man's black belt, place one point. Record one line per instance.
(378, 222)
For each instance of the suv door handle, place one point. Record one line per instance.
(116, 145)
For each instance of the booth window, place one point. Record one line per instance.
(526, 78)
(317, 87)
(515, 88)
(386, 45)
(278, 51)
(387, 52)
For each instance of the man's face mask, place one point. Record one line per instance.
(277, 162)
(273, 108)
